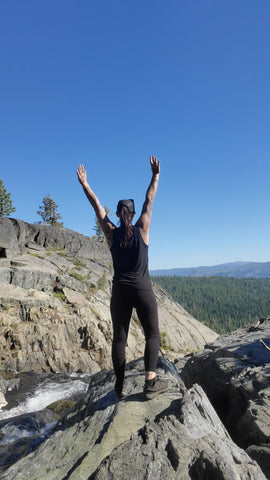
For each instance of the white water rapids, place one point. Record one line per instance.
(43, 390)
(32, 393)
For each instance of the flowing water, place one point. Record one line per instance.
(33, 393)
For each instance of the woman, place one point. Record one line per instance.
(132, 286)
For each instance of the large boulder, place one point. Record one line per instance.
(234, 371)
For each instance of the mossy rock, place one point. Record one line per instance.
(61, 406)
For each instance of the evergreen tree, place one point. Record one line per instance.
(97, 228)
(6, 207)
(49, 212)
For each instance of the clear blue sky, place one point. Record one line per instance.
(109, 83)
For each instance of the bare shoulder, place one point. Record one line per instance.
(143, 223)
(109, 238)
(107, 225)
(108, 228)
(144, 235)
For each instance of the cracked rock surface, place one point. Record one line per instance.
(176, 435)
(234, 371)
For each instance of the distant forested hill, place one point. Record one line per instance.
(221, 303)
(235, 269)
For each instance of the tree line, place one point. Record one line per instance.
(48, 211)
(222, 303)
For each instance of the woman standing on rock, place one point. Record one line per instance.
(132, 286)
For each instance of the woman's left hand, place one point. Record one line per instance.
(82, 175)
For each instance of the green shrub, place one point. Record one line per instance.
(101, 282)
(60, 295)
(38, 255)
(79, 263)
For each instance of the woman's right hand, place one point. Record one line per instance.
(155, 165)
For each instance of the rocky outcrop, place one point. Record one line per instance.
(16, 236)
(235, 374)
(55, 304)
(54, 317)
(176, 435)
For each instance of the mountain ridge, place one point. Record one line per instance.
(231, 269)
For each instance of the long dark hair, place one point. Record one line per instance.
(125, 226)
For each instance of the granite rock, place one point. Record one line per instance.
(55, 287)
(176, 435)
(234, 371)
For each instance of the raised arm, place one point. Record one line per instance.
(104, 221)
(144, 221)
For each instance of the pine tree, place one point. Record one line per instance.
(6, 207)
(97, 228)
(49, 212)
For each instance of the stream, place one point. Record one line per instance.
(24, 420)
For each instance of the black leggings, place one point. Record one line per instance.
(123, 300)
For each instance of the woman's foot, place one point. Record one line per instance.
(154, 387)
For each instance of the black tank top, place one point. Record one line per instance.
(130, 263)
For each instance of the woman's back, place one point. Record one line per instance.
(131, 262)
